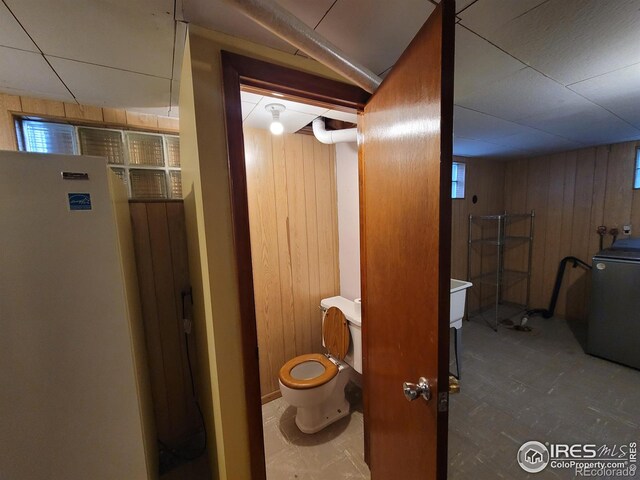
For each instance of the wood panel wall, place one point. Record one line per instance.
(572, 193)
(75, 113)
(294, 243)
(161, 258)
(485, 179)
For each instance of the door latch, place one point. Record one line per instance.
(454, 384)
(413, 391)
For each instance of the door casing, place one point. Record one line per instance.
(237, 71)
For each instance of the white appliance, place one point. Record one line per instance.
(74, 397)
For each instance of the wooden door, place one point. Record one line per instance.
(405, 176)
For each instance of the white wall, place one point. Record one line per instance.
(348, 219)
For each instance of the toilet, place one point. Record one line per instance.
(314, 383)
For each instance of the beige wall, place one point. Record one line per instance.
(208, 215)
(11, 105)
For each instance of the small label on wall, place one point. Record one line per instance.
(79, 201)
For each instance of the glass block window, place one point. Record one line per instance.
(47, 137)
(148, 163)
(173, 151)
(121, 173)
(148, 184)
(175, 183)
(457, 180)
(145, 149)
(102, 143)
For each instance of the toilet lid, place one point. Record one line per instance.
(335, 333)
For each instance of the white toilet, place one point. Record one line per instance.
(314, 383)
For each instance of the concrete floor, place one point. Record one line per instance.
(516, 386)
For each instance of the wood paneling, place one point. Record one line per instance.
(572, 193)
(293, 222)
(484, 179)
(161, 260)
(8, 104)
(83, 114)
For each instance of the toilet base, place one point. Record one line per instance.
(312, 420)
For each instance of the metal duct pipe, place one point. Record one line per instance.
(291, 29)
(333, 136)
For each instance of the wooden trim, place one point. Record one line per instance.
(259, 74)
(238, 70)
(269, 397)
(83, 122)
(446, 159)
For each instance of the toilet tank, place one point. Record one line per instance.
(354, 355)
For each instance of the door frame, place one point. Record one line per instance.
(238, 70)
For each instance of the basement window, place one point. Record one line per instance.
(148, 163)
(46, 137)
(636, 178)
(457, 180)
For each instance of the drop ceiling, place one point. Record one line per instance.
(295, 116)
(106, 53)
(532, 76)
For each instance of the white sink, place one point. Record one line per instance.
(458, 299)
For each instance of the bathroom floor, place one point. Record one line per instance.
(515, 387)
(334, 453)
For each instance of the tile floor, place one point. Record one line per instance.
(334, 453)
(516, 386)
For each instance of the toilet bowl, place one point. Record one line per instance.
(314, 383)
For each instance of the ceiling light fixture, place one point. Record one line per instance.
(276, 126)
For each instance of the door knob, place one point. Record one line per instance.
(413, 391)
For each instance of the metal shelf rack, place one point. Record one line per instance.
(502, 232)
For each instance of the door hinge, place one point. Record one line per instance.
(443, 401)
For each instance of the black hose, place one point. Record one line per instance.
(548, 313)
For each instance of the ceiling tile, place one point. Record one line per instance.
(521, 95)
(249, 97)
(537, 142)
(479, 126)
(291, 106)
(247, 108)
(374, 32)
(462, 4)
(135, 35)
(292, 121)
(571, 40)
(488, 16)
(343, 116)
(587, 124)
(478, 63)
(220, 16)
(468, 147)
(617, 91)
(11, 33)
(96, 85)
(34, 77)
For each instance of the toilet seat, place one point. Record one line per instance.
(329, 372)
(335, 333)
